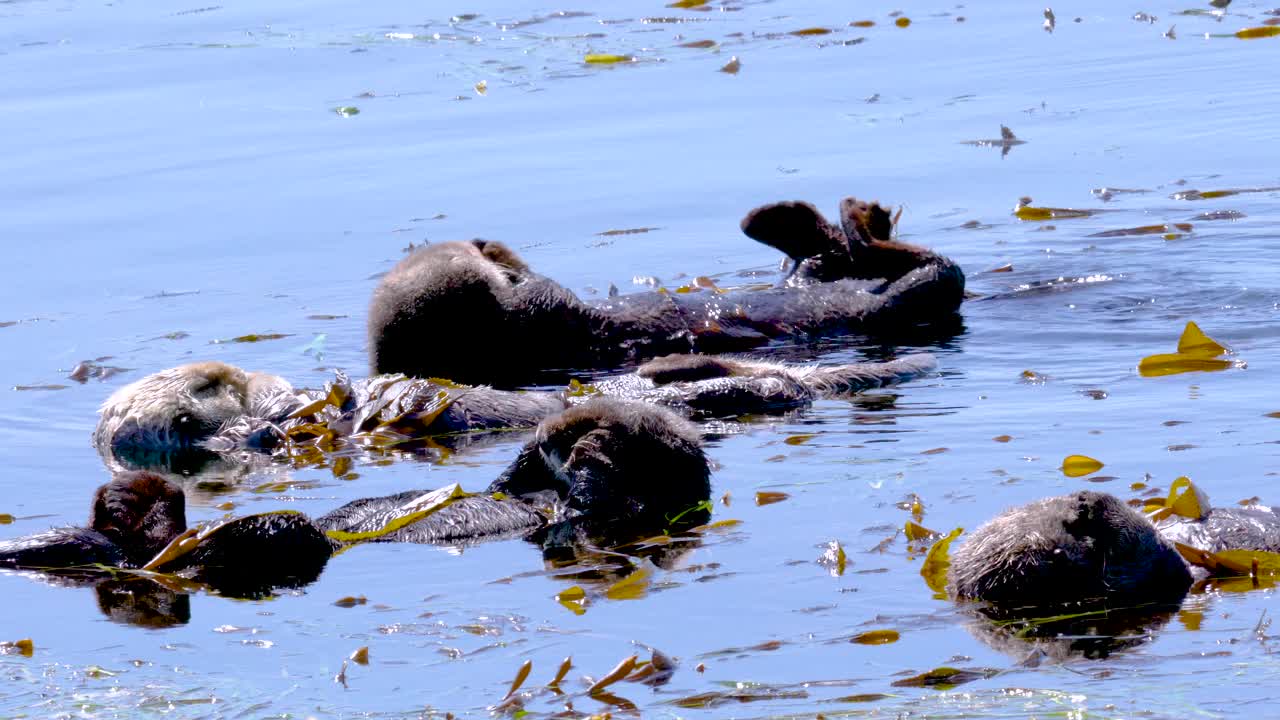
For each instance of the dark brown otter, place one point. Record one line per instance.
(1087, 575)
(506, 325)
(1091, 546)
(1082, 547)
(610, 466)
(138, 514)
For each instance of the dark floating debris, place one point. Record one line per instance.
(1220, 215)
(1050, 22)
(626, 231)
(1005, 142)
(90, 369)
(1107, 194)
(1165, 229)
(1211, 194)
(252, 338)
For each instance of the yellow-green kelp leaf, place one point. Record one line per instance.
(687, 4)
(1194, 341)
(766, 497)
(23, 647)
(938, 562)
(1254, 33)
(1024, 210)
(1185, 500)
(561, 672)
(606, 59)
(631, 587)
(347, 110)
(916, 532)
(834, 558)
(876, 637)
(412, 511)
(619, 671)
(1196, 352)
(573, 599)
(1175, 363)
(1080, 465)
(1236, 570)
(806, 32)
(521, 675)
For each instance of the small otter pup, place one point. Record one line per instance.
(606, 466)
(853, 278)
(178, 417)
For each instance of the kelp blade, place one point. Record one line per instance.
(1080, 465)
(938, 562)
(1176, 363)
(1194, 342)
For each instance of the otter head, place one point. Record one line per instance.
(1082, 547)
(610, 459)
(456, 310)
(140, 512)
(183, 407)
(173, 409)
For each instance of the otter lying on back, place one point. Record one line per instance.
(474, 312)
(606, 466)
(215, 406)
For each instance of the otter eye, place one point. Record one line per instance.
(184, 420)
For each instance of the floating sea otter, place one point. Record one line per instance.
(605, 468)
(1091, 546)
(176, 418)
(1088, 573)
(474, 312)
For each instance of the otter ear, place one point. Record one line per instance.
(500, 254)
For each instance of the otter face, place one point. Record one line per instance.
(614, 459)
(174, 409)
(1086, 546)
(140, 512)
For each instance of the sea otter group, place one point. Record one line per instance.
(613, 459)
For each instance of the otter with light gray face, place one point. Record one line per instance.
(193, 414)
(474, 312)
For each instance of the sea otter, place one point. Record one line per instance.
(1086, 575)
(1091, 546)
(177, 417)
(605, 467)
(500, 323)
